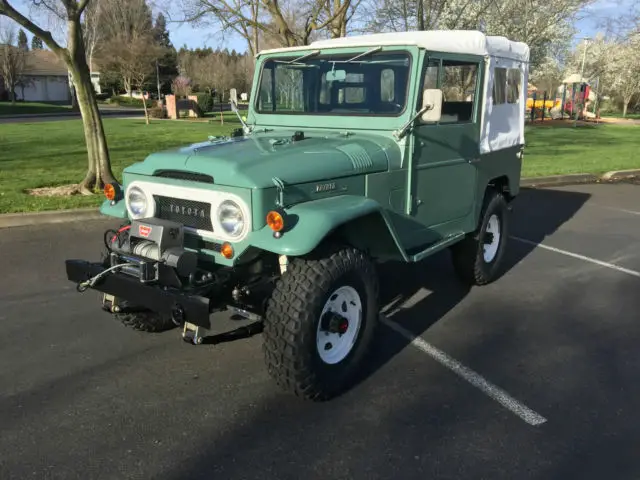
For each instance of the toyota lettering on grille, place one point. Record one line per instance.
(188, 211)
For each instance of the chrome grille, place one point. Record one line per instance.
(188, 212)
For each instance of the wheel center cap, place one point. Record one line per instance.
(344, 325)
(333, 322)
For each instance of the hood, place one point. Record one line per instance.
(253, 161)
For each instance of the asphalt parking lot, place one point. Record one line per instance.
(534, 376)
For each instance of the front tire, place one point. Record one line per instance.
(320, 322)
(478, 258)
(146, 321)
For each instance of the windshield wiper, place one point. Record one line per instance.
(360, 55)
(304, 57)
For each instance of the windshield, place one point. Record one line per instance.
(372, 84)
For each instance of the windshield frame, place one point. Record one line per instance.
(341, 55)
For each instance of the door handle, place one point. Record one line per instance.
(474, 160)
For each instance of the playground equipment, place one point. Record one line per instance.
(573, 99)
(577, 96)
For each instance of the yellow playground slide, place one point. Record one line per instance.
(547, 104)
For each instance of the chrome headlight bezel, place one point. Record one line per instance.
(149, 210)
(230, 204)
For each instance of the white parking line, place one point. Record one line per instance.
(623, 210)
(580, 257)
(474, 378)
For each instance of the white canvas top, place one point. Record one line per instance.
(450, 41)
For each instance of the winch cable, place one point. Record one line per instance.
(83, 286)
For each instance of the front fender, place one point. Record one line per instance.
(308, 223)
(119, 210)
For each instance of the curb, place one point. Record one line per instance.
(620, 174)
(558, 180)
(8, 220)
(73, 215)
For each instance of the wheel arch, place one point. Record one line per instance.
(351, 220)
(359, 231)
(501, 184)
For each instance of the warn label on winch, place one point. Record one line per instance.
(144, 231)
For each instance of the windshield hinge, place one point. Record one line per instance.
(280, 186)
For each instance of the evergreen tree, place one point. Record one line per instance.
(36, 43)
(23, 41)
(168, 63)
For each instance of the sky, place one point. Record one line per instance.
(207, 37)
(194, 37)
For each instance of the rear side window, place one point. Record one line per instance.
(499, 86)
(513, 85)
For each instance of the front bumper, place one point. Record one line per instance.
(164, 300)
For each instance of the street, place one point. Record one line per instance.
(533, 376)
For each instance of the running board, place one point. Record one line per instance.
(436, 247)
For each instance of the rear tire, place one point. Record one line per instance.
(478, 258)
(320, 322)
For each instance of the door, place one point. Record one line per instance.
(445, 154)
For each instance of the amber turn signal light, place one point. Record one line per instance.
(275, 221)
(110, 191)
(226, 250)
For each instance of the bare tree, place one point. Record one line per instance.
(139, 61)
(92, 30)
(12, 60)
(291, 23)
(74, 57)
(214, 72)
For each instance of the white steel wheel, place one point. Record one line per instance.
(339, 325)
(492, 238)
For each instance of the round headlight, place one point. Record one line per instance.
(231, 218)
(137, 202)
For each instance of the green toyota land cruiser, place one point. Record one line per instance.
(354, 150)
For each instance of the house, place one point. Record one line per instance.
(45, 78)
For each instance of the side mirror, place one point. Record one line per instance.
(432, 105)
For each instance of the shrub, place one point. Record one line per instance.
(157, 112)
(125, 100)
(205, 102)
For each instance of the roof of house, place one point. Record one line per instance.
(450, 41)
(44, 62)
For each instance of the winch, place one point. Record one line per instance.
(151, 241)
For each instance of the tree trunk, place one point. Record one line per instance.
(625, 107)
(99, 165)
(144, 105)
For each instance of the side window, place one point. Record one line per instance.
(499, 86)
(513, 85)
(459, 80)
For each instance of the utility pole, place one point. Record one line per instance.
(158, 78)
(584, 58)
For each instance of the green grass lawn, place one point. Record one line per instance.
(23, 108)
(631, 116)
(554, 150)
(53, 153)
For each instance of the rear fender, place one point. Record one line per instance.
(355, 220)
